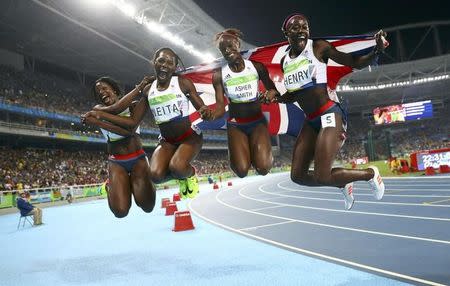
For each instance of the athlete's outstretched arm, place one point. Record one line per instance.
(286, 97)
(92, 120)
(271, 91)
(188, 88)
(127, 100)
(327, 51)
(137, 114)
(219, 110)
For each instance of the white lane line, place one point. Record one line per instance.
(359, 188)
(266, 208)
(338, 211)
(312, 253)
(387, 178)
(391, 186)
(266, 225)
(266, 197)
(419, 178)
(282, 194)
(356, 189)
(414, 184)
(441, 201)
(329, 225)
(419, 184)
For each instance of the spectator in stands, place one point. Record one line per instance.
(395, 166)
(27, 208)
(69, 195)
(49, 168)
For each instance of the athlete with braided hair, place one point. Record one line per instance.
(168, 98)
(248, 136)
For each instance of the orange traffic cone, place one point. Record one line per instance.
(164, 202)
(171, 208)
(183, 221)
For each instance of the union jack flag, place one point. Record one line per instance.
(282, 118)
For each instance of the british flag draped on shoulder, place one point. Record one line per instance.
(282, 118)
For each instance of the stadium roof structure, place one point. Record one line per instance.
(419, 72)
(95, 37)
(395, 83)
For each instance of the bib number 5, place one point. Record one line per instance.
(328, 120)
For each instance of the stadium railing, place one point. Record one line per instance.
(51, 194)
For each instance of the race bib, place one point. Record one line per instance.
(328, 120)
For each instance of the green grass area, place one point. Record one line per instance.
(385, 171)
(382, 166)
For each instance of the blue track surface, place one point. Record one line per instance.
(83, 244)
(406, 236)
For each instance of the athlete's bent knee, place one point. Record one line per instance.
(148, 208)
(300, 179)
(240, 171)
(121, 212)
(297, 179)
(146, 203)
(179, 168)
(157, 176)
(263, 171)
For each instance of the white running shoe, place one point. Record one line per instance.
(377, 184)
(347, 191)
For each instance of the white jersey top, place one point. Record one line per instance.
(169, 104)
(241, 87)
(303, 71)
(110, 136)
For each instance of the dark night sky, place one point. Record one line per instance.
(261, 20)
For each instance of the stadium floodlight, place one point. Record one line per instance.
(97, 3)
(159, 29)
(348, 88)
(126, 8)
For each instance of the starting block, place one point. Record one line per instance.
(183, 221)
(215, 186)
(164, 202)
(171, 208)
(176, 197)
(230, 183)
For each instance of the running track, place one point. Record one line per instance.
(406, 236)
